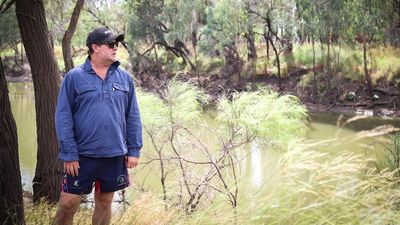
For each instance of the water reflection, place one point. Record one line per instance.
(23, 108)
(256, 175)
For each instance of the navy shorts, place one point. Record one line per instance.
(105, 174)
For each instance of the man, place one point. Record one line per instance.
(98, 128)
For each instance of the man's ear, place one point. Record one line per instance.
(95, 47)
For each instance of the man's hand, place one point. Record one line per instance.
(131, 161)
(71, 168)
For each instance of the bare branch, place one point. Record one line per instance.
(9, 4)
(99, 20)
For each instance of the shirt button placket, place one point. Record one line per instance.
(103, 88)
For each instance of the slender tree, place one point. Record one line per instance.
(11, 203)
(45, 75)
(66, 41)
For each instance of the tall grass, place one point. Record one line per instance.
(146, 210)
(44, 213)
(349, 62)
(311, 187)
(391, 155)
(317, 189)
(308, 187)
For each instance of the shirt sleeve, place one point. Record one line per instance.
(68, 149)
(133, 124)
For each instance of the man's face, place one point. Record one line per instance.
(107, 51)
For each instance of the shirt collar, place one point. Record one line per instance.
(88, 66)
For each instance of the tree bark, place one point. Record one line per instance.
(11, 202)
(66, 41)
(367, 75)
(35, 36)
(251, 47)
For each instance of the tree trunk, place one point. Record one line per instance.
(367, 75)
(328, 66)
(11, 202)
(66, 41)
(251, 52)
(278, 61)
(233, 66)
(267, 44)
(314, 69)
(251, 47)
(45, 75)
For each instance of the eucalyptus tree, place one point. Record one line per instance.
(9, 33)
(167, 24)
(309, 22)
(35, 37)
(279, 26)
(57, 16)
(112, 14)
(333, 17)
(367, 26)
(11, 201)
(66, 40)
(226, 21)
(326, 22)
(393, 16)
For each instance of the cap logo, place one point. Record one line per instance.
(107, 31)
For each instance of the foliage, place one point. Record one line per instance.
(9, 32)
(165, 24)
(181, 103)
(391, 155)
(264, 115)
(198, 161)
(109, 14)
(226, 19)
(385, 63)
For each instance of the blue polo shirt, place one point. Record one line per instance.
(95, 117)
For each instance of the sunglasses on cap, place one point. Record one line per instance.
(110, 44)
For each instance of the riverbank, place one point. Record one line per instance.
(317, 97)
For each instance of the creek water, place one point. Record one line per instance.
(323, 126)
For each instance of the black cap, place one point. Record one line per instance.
(101, 35)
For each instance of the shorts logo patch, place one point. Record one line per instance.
(122, 180)
(76, 183)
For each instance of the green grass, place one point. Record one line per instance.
(350, 62)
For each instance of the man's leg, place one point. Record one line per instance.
(102, 208)
(67, 207)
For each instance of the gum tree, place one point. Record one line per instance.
(367, 27)
(226, 21)
(166, 24)
(45, 75)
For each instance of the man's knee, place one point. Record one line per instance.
(103, 200)
(69, 203)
